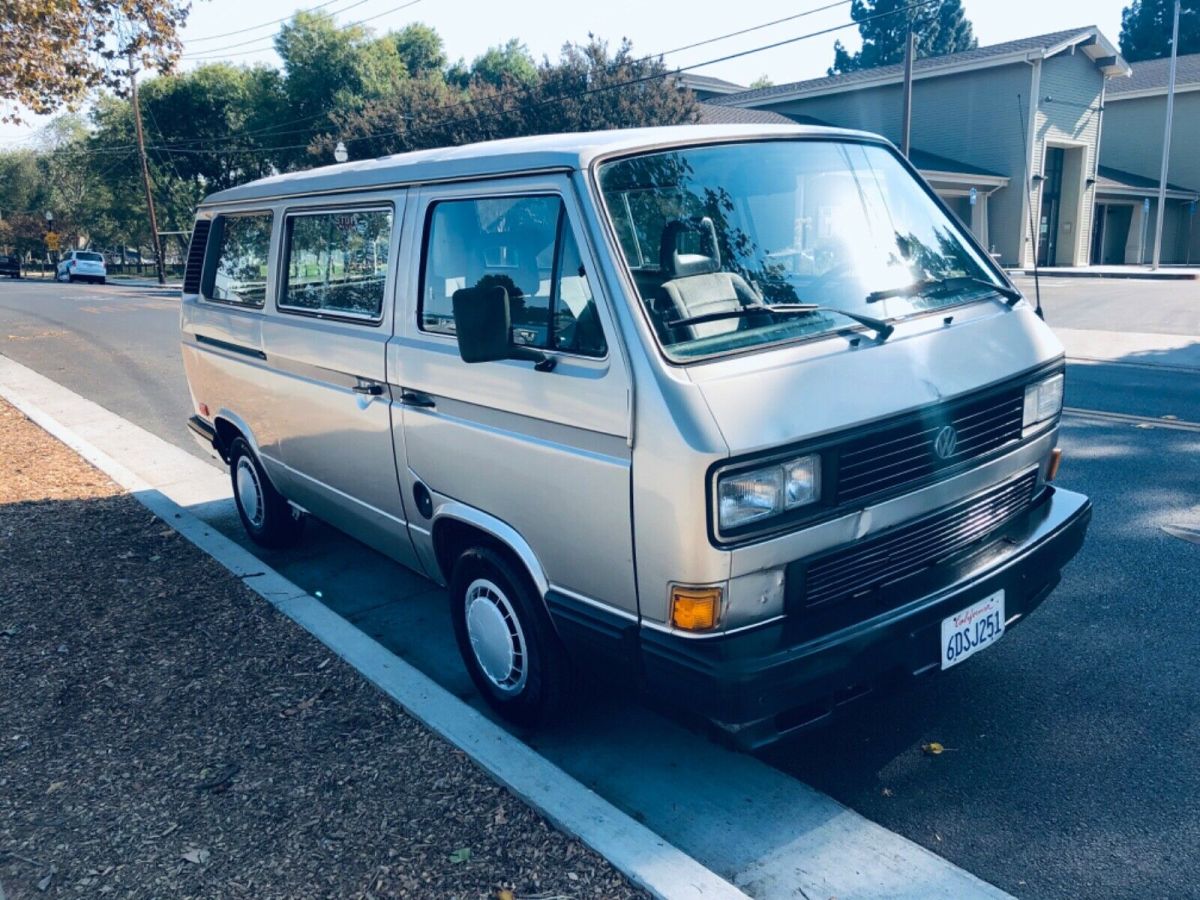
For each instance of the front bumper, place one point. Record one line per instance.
(763, 683)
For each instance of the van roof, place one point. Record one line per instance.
(511, 156)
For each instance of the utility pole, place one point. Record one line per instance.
(1166, 153)
(910, 52)
(141, 142)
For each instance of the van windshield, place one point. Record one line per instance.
(713, 232)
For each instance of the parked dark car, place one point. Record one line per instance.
(10, 266)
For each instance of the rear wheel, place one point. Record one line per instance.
(266, 515)
(506, 639)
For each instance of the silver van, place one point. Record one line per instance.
(740, 414)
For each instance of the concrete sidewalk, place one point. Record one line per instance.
(1175, 351)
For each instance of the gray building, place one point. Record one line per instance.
(1006, 134)
(705, 87)
(1135, 110)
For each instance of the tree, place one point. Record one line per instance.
(762, 81)
(506, 64)
(53, 53)
(421, 50)
(587, 89)
(329, 68)
(1146, 29)
(941, 28)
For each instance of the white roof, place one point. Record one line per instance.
(541, 152)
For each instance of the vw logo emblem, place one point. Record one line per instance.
(946, 442)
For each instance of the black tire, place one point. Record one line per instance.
(103, 281)
(70, 279)
(539, 694)
(266, 515)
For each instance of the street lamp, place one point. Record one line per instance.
(340, 153)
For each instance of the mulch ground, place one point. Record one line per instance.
(166, 733)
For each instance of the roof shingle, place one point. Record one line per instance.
(1152, 74)
(1037, 42)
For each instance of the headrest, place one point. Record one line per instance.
(682, 265)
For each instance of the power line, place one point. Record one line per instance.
(600, 89)
(215, 51)
(644, 78)
(213, 54)
(503, 94)
(213, 37)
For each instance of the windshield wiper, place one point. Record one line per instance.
(944, 285)
(882, 329)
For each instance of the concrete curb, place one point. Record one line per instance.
(1160, 275)
(645, 858)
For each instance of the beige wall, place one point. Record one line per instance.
(1068, 116)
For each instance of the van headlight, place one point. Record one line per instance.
(1043, 400)
(745, 497)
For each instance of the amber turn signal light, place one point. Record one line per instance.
(695, 608)
(1055, 462)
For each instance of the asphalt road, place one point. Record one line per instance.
(1072, 745)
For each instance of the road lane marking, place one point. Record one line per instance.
(1127, 419)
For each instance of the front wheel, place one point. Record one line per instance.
(266, 515)
(506, 639)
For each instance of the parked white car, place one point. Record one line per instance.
(82, 265)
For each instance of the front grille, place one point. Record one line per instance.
(909, 548)
(195, 260)
(903, 452)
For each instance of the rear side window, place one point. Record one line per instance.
(525, 245)
(337, 262)
(237, 264)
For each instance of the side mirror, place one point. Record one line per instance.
(483, 324)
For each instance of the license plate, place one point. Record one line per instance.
(967, 632)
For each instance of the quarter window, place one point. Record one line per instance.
(525, 245)
(337, 262)
(238, 269)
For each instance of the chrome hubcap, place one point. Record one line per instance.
(496, 636)
(250, 492)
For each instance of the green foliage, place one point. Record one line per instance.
(1146, 29)
(506, 65)
(941, 28)
(587, 89)
(420, 49)
(221, 125)
(762, 81)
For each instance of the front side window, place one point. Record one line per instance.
(239, 246)
(525, 245)
(337, 262)
(714, 236)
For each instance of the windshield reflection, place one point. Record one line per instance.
(715, 229)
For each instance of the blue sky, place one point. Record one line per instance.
(469, 27)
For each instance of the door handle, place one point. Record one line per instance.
(413, 398)
(370, 388)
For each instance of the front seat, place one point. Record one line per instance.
(696, 285)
